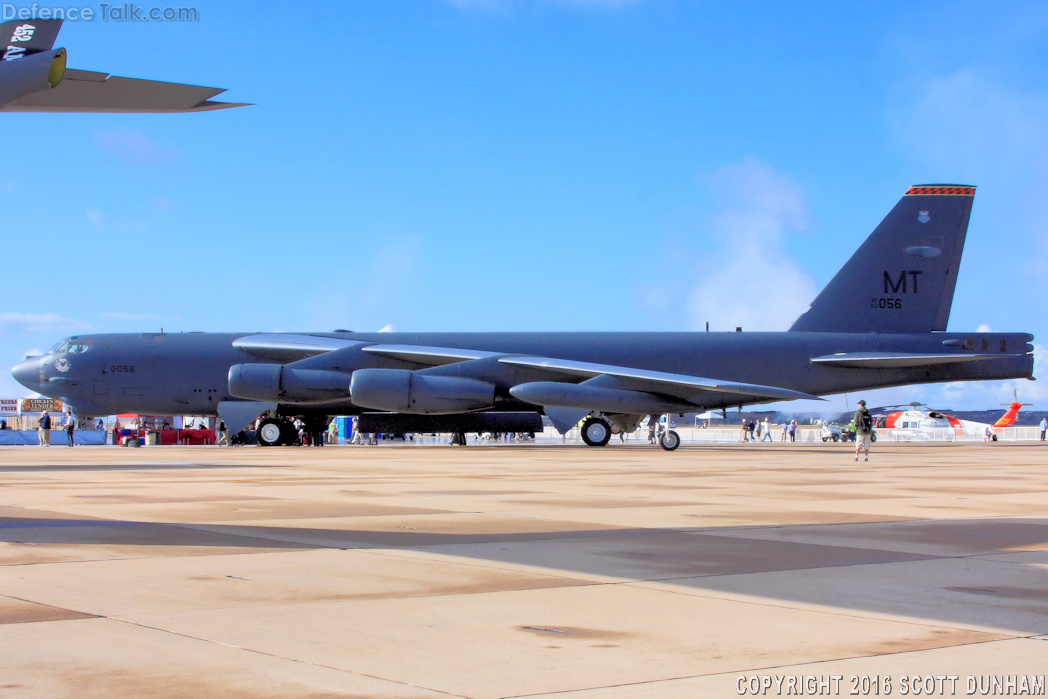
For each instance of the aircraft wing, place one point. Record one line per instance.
(283, 347)
(659, 382)
(656, 381)
(88, 91)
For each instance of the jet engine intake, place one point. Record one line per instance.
(403, 391)
(275, 383)
(32, 73)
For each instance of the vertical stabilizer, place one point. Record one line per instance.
(902, 278)
(24, 37)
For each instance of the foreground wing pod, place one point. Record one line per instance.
(899, 360)
(606, 400)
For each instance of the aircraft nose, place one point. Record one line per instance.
(27, 373)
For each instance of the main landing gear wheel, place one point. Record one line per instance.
(596, 432)
(270, 433)
(670, 440)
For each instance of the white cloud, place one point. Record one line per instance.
(386, 329)
(39, 322)
(753, 281)
(132, 316)
(136, 147)
(969, 124)
(984, 328)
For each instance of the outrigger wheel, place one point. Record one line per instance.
(271, 432)
(596, 432)
(670, 440)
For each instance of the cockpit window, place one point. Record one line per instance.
(70, 347)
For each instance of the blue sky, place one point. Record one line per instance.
(527, 165)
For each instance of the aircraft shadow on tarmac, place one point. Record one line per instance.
(987, 572)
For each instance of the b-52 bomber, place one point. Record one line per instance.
(34, 78)
(880, 322)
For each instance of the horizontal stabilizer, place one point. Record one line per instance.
(88, 91)
(899, 360)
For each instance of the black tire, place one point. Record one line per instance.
(596, 432)
(271, 433)
(836, 438)
(670, 440)
(826, 439)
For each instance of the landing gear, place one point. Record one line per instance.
(273, 432)
(459, 439)
(596, 432)
(670, 440)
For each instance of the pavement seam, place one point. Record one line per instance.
(275, 655)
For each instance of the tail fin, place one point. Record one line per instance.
(28, 36)
(902, 279)
(1008, 418)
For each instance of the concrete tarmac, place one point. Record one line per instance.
(509, 571)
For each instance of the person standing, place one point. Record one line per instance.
(766, 433)
(863, 430)
(750, 426)
(70, 425)
(43, 430)
(223, 435)
(1044, 427)
(785, 430)
(793, 430)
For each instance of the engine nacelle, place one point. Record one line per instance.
(274, 383)
(34, 73)
(403, 391)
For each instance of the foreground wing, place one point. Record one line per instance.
(289, 348)
(655, 378)
(428, 356)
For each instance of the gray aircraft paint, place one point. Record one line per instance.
(34, 78)
(856, 344)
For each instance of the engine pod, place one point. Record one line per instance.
(403, 391)
(283, 384)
